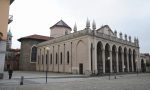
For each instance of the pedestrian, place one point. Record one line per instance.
(10, 71)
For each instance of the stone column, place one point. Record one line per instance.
(128, 61)
(117, 65)
(95, 58)
(44, 61)
(132, 62)
(89, 57)
(110, 53)
(103, 57)
(122, 58)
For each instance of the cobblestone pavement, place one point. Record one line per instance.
(123, 82)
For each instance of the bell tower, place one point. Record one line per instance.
(9, 40)
(60, 29)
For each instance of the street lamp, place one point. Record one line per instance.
(109, 66)
(47, 49)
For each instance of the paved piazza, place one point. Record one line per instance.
(36, 81)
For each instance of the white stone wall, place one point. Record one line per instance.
(59, 31)
(80, 52)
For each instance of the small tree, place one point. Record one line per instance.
(1, 35)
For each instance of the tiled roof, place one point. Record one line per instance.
(61, 23)
(36, 37)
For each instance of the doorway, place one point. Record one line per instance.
(80, 68)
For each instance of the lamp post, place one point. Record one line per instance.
(47, 49)
(109, 66)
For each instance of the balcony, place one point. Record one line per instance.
(10, 19)
(11, 1)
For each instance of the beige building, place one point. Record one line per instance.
(5, 19)
(88, 51)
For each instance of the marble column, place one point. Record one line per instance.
(117, 65)
(132, 62)
(103, 58)
(110, 53)
(127, 61)
(122, 58)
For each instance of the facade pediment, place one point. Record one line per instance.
(106, 30)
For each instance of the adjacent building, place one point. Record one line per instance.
(28, 51)
(12, 55)
(5, 19)
(145, 62)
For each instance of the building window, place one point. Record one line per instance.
(46, 58)
(68, 57)
(56, 58)
(61, 58)
(51, 59)
(33, 54)
(38, 59)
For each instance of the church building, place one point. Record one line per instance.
(88, 51)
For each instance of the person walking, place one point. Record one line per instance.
(10, 71)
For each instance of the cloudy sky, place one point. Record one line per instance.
(131, 17)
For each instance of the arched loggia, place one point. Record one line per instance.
(99, 58)
(114, 65)
(120, 59)
(107, 60)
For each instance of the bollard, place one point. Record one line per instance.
(21, 81)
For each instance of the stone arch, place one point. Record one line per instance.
(107, 54)
(99, 57)
(125, 60)
(134, 60)
(114, 65)
(130, 60)
(120, 58)
(81, 55)
(143, 66)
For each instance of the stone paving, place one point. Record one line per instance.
(123, 82)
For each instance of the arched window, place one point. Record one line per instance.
(68, 57)
(61, 58)
(56, 58)
(33, 54)
(51, 59)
